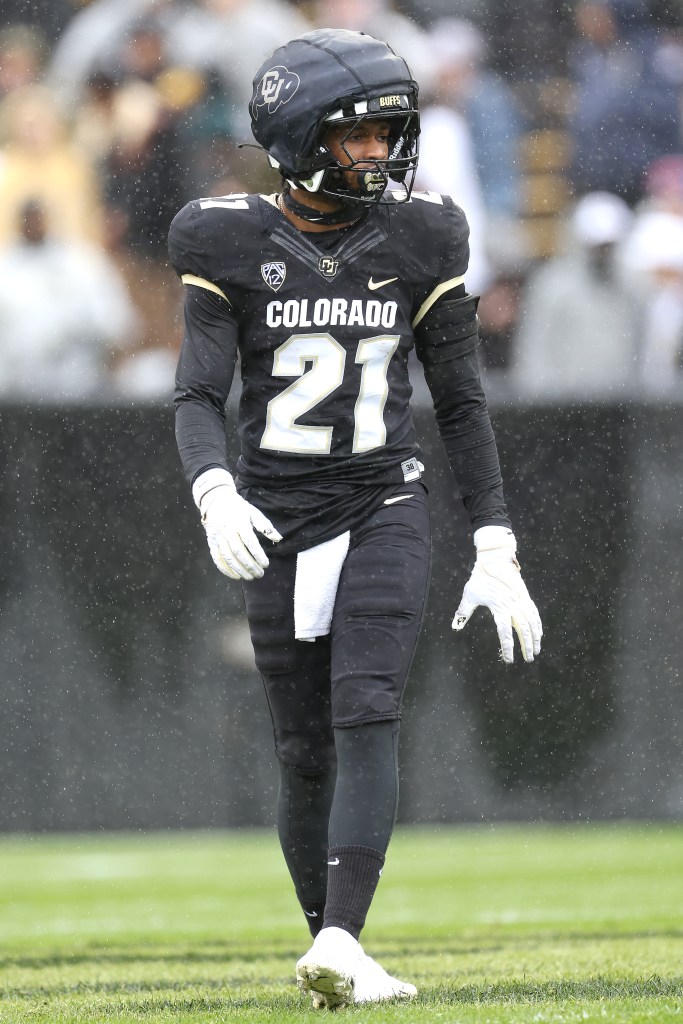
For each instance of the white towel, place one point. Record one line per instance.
(315, 589)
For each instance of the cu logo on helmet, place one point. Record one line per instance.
(277, 86)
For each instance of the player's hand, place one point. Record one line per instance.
(231, 524)
(496, 583)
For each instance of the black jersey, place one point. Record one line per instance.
(324, 332)
(323, 325)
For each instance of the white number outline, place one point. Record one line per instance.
(282, 432)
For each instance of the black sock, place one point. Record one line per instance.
(353, 874)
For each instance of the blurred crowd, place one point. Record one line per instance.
(558, 128)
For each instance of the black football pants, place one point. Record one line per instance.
(335, 702)
(357, 674)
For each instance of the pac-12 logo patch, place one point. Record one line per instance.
(273, 274)
(277, 86)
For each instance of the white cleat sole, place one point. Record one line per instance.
(335, 988)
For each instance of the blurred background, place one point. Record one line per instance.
(129, 693)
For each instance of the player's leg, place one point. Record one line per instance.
(376, 623)
(361, 820)
(303, 809)
(375, 628)
(296, 679)
(335, 969)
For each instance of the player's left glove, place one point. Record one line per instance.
(496, 582)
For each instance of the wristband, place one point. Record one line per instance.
(208, 481)
(488, 538)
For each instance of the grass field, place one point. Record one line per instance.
(494, 924)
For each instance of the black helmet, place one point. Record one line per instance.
(336, 76)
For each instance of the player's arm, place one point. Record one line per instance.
(204, 377)
(203, 380)
(446, 342)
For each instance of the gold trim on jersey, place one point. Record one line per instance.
(440, 289)
(201, 282)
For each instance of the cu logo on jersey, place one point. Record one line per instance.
(327, 266)
(277, 86)
(273, 274)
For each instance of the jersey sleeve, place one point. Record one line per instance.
(446, 233)
(203, 380)
(203, 250)
(184, 243)
(199, 251)
(457, 245)
(445, 328)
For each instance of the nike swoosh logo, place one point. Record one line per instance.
(391, 501)
(334, 862)
(311, 913)
(372, 285)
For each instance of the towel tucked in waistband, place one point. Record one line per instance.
(315, 588)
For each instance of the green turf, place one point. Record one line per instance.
(494, 924)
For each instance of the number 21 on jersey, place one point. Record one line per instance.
(326, 359)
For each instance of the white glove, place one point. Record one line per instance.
(496, 583)
(230, 522)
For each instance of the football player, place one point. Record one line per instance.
(321, 291)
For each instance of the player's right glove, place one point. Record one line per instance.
(496, 582)
(230, 523)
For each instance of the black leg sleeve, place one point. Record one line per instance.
(303, 811)
(366, 794)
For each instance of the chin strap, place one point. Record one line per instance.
(344, 216)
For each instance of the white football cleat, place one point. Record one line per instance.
(329, 968)
(374, 985)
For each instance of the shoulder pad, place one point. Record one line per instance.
(209, 235)
(436, 234)
(438, 213)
